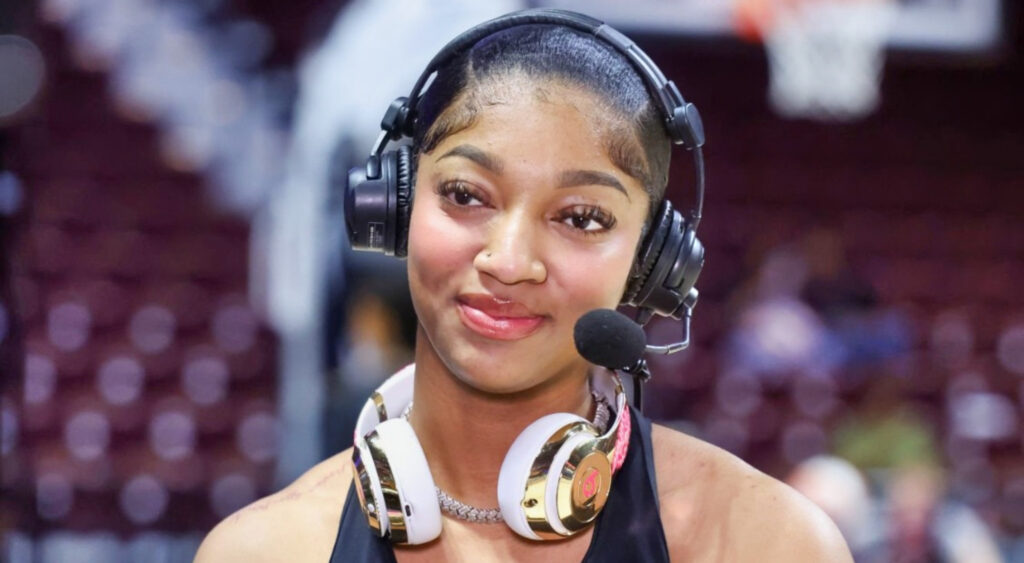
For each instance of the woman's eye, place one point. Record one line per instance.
(459, 194)
(584, 223)
(589, 220)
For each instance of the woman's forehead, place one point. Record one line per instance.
(525, 136)
(517, 87)
(546, 114)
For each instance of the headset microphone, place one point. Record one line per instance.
(610, 339)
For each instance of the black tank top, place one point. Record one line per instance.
(628, 529)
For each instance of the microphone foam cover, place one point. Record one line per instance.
(608, 338)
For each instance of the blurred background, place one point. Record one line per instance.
(182, 329)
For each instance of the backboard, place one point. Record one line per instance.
(952, 26)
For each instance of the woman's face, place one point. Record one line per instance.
(521, 223)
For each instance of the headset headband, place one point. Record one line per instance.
(681, 118)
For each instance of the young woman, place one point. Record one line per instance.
(540, 159)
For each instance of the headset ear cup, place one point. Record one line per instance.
(400, 464)
(649, 252)
(668, 268)
(404, 180)
(518, 464)
(689, 264)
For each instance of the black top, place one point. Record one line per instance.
(628, 529)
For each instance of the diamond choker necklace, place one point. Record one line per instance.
(462, 511)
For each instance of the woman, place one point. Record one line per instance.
(540, 161)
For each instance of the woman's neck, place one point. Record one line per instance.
(465, 433)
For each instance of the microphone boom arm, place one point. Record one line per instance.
(641, 373)
(675, 346)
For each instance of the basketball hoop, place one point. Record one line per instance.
(825, 57)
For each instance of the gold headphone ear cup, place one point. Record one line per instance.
(583, 482)
(402, 486)
(524, 488)
(368, 486)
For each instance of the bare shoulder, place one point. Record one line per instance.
(715, 506)
(297, 523)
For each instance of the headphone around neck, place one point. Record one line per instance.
(378, 196)
(553, 483)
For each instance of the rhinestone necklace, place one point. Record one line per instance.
(468, 513)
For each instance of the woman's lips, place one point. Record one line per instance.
(497, 318)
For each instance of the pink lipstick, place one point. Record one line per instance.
(496, 318)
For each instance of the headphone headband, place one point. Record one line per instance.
(682, 120)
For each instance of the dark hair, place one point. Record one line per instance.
(641, 147)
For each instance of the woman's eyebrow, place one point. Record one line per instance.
(572, 178)
(479, 156)
(568, 179)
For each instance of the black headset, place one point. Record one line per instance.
(378, 196)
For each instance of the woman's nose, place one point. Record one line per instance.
(510, 255)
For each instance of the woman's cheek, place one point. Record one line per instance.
(597, 278)
(437, 246)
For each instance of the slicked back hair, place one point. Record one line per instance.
(637, 142)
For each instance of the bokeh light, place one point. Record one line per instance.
(87, 435)
(257, 437)
(143, 499)
(172, 434)
(69, 325)
(120, 380)
(22, 66)
(204, 379)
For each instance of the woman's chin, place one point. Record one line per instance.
(494, 366)
(506, 374)
(493, 373)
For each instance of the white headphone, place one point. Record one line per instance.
(553, 483)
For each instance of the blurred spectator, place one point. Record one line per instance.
(923, 525)
(831, 287)
(885, 432)
(913, 522)
(839, 489)
(897, 445)
(806, 312)
(865, 330)
(775, 333)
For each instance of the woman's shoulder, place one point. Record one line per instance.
(715, 506)
(297, 523)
